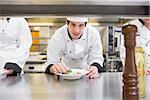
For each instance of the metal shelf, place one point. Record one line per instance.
(40, 38)
(40, 44)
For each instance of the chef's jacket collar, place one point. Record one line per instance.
(8, 19)
(141, 21)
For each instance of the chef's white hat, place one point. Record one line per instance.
(77, 19)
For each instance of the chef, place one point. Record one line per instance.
(142, 39)
(75, 45)
(15, 42)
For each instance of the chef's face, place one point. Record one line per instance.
(76, 29)
(147, 20)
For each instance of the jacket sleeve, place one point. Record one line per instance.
(55, 49)
(95, 52)
(19, 56)
(122, 50)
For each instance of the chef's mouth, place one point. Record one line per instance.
(76, 34)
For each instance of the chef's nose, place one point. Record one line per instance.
(77, 30)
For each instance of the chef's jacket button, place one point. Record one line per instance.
(69, 51)
(83, 39)
(67, 40)
(73, 59)
(3, 30)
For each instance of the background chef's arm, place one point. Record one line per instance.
(122, 50)
(95, 54)
(17, 58)
(54, 50)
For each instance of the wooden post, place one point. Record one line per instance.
(130, 78)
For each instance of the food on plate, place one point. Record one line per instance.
(72, 72)
(68, 71)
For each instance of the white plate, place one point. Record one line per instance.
(75, 74)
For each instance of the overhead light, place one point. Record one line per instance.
(94, 24)
(36, 28)
(41, 24)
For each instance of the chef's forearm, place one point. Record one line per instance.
(15, 67)
(100, 68)
(48, 69)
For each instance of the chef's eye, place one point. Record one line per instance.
(81, 25)
(73, 25)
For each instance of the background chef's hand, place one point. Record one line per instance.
(58, 68)
(93, 72)
(8, 71)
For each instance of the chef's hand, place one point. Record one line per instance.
(93, 72)
(58, 68)
(8, 71)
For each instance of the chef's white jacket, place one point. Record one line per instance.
(142, 40)
(75, 53)
(15, 41)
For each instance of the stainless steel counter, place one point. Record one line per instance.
(45, 87)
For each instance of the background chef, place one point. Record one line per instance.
(142, 39)
(75, 45)
(15, 42)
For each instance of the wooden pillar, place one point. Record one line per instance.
(130, 78)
